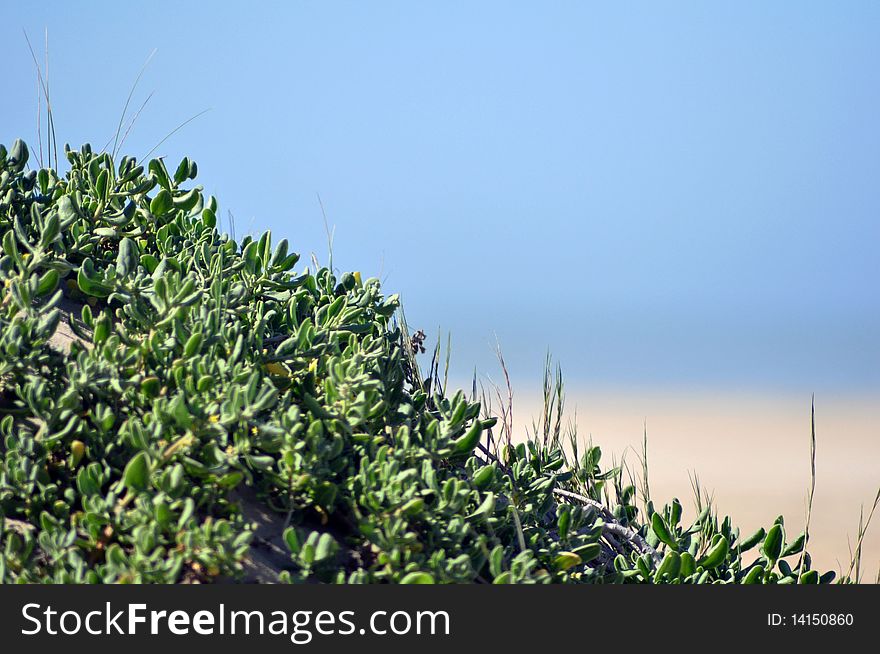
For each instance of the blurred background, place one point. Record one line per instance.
(680, 203)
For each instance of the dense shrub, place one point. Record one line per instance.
(161, 385)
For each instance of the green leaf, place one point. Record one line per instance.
(325, 548)
(50, 231)
(688, 564)
(486, 507)
(101, 184)
(459, 412)
(128, 257)
(496, 560)
(86, 483)
(137, 472)
(754, 575)
(467, 443)
(67, 211)
(263, 463)
(162, 203)
(588, 552)
(413, 507)
(772, 546)
(116, 556)
(286, 348)
(48, 282)
(10, 248)
(794, 547)
(291, 537)
(230, 479)
(669, 566)
(828, 577)
(188, 200)
(752, 540)
(643, 566)
(157, 167)
(251, 256)
(675, 512)
(484, 475)
(417, 578)
(280, 253)
(193, 344)
(563, 520)
(182, 172)
(810, 577)
(19, 153)
(88, 283)
(102, 330)
(716, 555)
(149, 262)
(661, 529)
(209, 218)
(566, 560)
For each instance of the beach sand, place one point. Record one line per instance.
(751, 451)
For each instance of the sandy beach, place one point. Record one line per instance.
(751, 451)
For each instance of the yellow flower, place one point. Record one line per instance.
(313, 365)
(214, 418)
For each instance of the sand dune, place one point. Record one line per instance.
(751, 450)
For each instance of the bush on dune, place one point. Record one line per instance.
(179, 407)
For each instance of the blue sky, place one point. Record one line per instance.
(668, 197)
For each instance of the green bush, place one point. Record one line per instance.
(160, 384)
